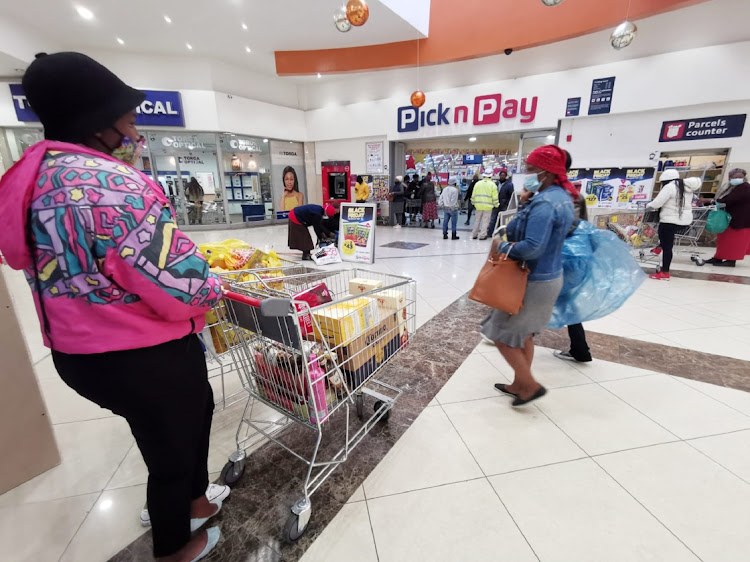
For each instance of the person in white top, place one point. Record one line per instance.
(449, 200)
(675, 201)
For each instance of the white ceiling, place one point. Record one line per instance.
(213, 28)
(716, 22)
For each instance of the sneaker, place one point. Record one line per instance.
(483, 238)
(661, 276)
(215, 494)
(656, 251)
(564, 355)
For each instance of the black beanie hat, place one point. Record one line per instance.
(75, 96)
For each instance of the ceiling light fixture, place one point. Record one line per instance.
(85, 13)
(120, 41)
(320, 75)
(472, 139)
(265, 140)
(167, 19)
(624, 34)
(248, 50)
(189, 46)
(244, 26)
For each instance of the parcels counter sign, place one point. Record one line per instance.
(720, 127)
(487, 110)
(160, 108)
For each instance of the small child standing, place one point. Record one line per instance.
(449, 200)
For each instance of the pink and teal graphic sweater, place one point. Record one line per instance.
(99, 245)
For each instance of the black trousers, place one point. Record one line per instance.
(164, 395)
(667, 232)
(579, 348)
(469, 210)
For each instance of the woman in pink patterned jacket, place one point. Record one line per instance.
(120, 292)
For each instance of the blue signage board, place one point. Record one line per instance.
(720, 127)
(160, 108)
(601, 95)
(573, 108)
(472, 159)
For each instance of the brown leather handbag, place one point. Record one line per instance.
(501, 283)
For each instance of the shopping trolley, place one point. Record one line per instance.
(413, 210)
(311, 363)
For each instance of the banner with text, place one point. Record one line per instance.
(357, 232)
(614, 188)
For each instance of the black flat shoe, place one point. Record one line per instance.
(538, 394)
(501, 388)
(725, 263)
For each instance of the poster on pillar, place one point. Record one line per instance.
(288, 176)
(357, 232)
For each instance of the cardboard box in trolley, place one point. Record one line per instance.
(360, 285)
(360, 357)
(341, 322)
(390, 301)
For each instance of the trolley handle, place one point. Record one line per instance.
(274, 307)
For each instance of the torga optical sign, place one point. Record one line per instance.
(160, 108)
(488, 110)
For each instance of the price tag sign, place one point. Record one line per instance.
(624, 197)
(348, 247)
(591, 200)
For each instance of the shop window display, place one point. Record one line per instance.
(247, 178)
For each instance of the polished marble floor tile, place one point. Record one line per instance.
(430, 453)
(703, 504)
(731, 450)
(673, 405)
(348, 537)
(357, 496)
(604, 371)
(474, 379)
(504, 439)
(575, 512)
(737, 399)
(40, 532)
(65, 405)
(462, 521)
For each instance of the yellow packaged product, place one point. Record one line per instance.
(341, 322)
(360, 285)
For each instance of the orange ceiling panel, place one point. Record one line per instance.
(466, 29)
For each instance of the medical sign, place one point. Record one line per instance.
(160, 108)
(721, 127)
(357, 232)
(486, 110)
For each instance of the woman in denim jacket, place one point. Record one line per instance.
(535, 236)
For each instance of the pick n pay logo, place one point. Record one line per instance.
(488, 110)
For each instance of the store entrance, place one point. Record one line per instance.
(186, 166)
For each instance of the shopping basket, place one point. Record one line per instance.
(308, 344)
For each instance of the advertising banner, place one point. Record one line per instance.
(615, 188)
(288, 174)
(357, 232)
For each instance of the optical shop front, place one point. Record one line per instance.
(212, 179)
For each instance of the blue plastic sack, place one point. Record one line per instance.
(599, 275)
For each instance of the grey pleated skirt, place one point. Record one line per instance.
(513, 329)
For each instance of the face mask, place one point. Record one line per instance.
(531, 183)
(736, 181)
(129, 150)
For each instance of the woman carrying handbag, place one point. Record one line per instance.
(535, 236)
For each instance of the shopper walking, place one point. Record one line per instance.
(535, 236)
(429, 202)
(675, 202)
(450, 204)
(120, 291)
(504, 195)
(361, 190)
(194, 194)
(469, 193)
(484, 199)
(733, 244)
(396, 197)
(301, 219)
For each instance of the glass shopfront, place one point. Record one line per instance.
(211, 179)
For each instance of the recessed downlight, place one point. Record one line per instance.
(248, 50)
(320, 75)
(472, 139)
(120, 41)
(167, 18)
(85, 13)
(189, 46)
(244, 26)
(265, 140)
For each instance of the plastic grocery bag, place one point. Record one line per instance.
(599, 275)
(217, 252)
(325, 255)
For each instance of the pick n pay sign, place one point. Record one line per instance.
(488, 110)
(160, 108)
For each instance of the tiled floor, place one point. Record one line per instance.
(591, 473)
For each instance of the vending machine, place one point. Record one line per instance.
(336, 182)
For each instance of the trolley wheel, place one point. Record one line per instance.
(291, 529)
(232, 472)
(700, 262)
(387, 415)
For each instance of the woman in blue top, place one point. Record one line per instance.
(535, 236)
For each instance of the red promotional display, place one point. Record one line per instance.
(335, 175)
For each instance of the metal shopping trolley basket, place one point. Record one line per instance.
(413, 210)
(308, 346)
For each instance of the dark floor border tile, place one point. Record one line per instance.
(709, 275)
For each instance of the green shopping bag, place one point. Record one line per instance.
(718, 221)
